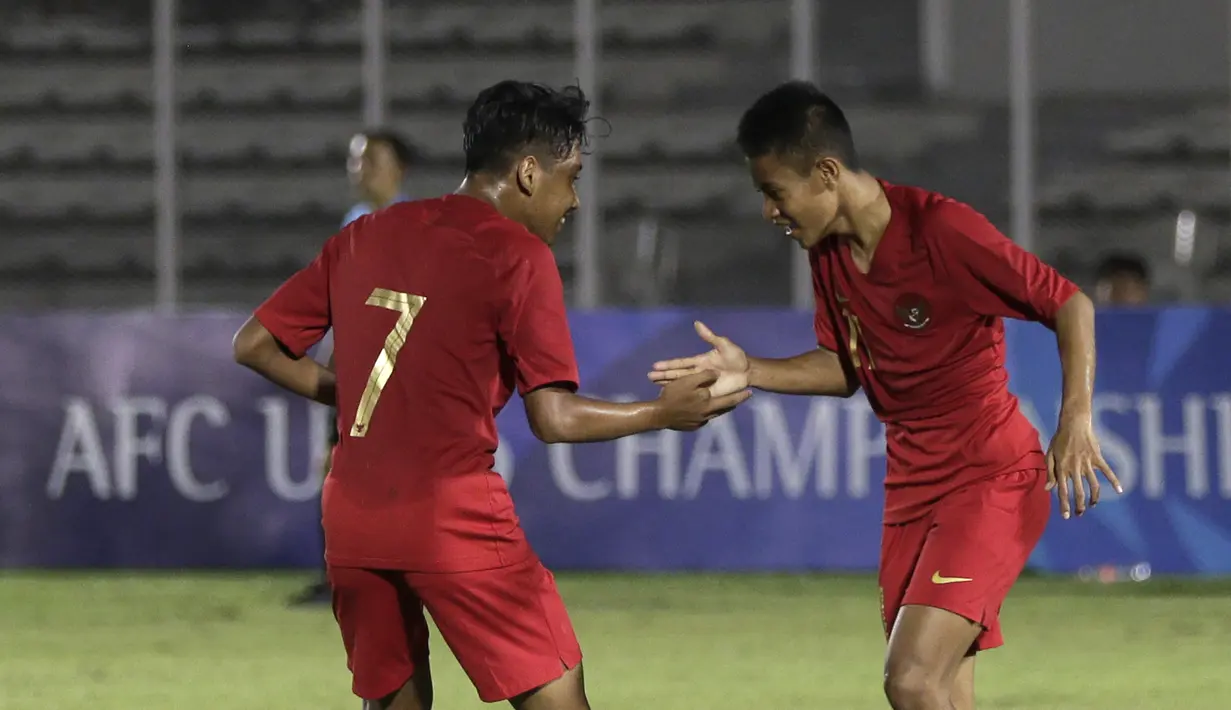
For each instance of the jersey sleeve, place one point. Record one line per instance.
(534, 323)
(297, 314)
(997, 277)
(821, 321)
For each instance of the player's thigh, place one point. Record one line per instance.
(383, 629)
(901, 546)
(507, 627)
(568, 692)
(978, 545)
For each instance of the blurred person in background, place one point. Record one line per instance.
(377, 164)
(1122, 279)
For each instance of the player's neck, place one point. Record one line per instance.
(384, 198)
(493, 192)
(480, 189)
(864, 214)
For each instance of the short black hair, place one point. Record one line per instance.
(402, 151)
(1123, 264)
(514, 116)
(798, 121)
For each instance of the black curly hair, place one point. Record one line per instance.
(515, 118)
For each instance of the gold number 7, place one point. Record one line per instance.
(408, 306)
(852, 324)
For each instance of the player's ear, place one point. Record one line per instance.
(527, 172)
(827, 170)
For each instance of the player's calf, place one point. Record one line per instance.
(926, 650)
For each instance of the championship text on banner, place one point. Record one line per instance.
(134, 441)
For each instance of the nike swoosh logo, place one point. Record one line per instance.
(937, 579)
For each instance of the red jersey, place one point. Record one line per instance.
(922, 330)
(440, 308)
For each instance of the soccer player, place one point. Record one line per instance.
(377, 162)
(910, 291)
(440, 309)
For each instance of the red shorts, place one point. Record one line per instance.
(966, 553)
(507, 627)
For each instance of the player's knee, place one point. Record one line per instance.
(912, 686)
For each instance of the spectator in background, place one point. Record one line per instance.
(1123, 280)
(377, 164)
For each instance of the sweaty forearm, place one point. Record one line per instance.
(817, 372)
(305, 376)
(1075, 338)
(334, 434)
(257, 349)
(571, 418)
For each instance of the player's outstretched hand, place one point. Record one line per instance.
(687, 403)
(726, 359)
(1072, 459)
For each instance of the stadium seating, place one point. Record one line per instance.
(270, 91)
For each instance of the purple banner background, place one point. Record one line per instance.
(133, 441)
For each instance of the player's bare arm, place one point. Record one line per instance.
(558, 415)
(257, 349)
(816, 372)
(1074, 454)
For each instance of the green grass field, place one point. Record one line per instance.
(121, 641)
